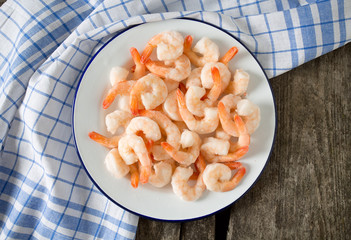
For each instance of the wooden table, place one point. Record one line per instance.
(305, 190)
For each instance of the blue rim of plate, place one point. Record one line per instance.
(145, 216)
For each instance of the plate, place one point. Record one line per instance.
(88, 115)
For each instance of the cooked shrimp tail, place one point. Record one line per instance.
(105, 141)
(139, 70)
(217, 85)
(134, 175)
(146, 53)
(229, 55)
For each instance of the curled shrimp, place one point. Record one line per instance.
(213, 147)
(169, 46)
(115, 164)
(167, 126)
(237, 149)
(132, 149)
(119, 88)
(151, 89)
(239, 84)
(250, 113)
(206, 75)
(176, 70)
(105, 141)
(170, 106)
(194, 78)
(180, 183)
(194, 96)
(117, 119)
(188, 156)
(161, 175)
(207, 124)
(225, 105)
(148, 127)
(218, 177)
(207, 49)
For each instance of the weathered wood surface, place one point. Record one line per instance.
(305, 189)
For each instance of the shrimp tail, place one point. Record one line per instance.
(104, 141)
(217, 88)
(134, 175)
(111, 95)
(229, 55)
(188, 41)
(144, 174)
(134, 105)
(235, 180)
(146, 53)
(168, 148)
(182, 87)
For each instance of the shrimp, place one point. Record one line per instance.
(207, 124)
(180, 180)
(151, 89)
(194, 78)
(140, 69)
(239, 84)
(238, 149)
(229, 55)
(225, 105)
(119, 88)
(118, 74)
(170, 106)
(132, 148)
(145, 125)
(117, 119)
(218, 177)
(105, 141)
(250, 113)
(115, 164)
(206, 75)
(176, 70)
(166, 125)
(194, 96)
(169, 46)
(187, 157)
(205, 47)
(161, 175)
(214, 146)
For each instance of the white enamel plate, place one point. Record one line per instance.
(88, 115)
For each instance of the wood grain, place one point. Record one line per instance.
(304, 191)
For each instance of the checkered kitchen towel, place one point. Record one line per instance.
(45, 45)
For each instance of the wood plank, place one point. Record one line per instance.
(304, 192)
(151, 229)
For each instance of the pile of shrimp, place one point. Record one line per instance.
(182, 117)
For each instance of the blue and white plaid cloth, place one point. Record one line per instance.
(45, 45)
